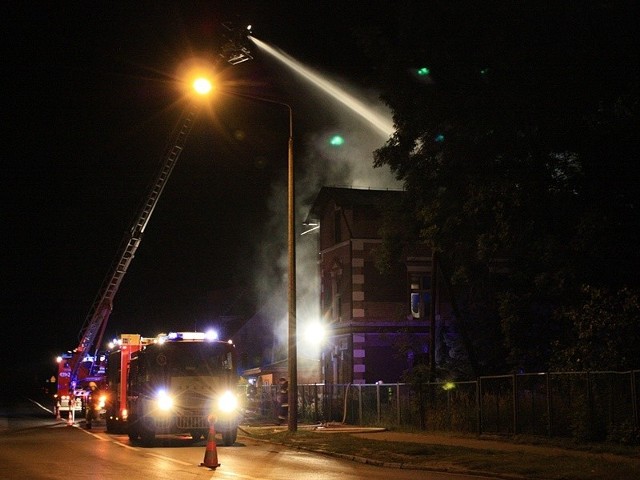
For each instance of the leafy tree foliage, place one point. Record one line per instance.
(604, 332)
(517, 139)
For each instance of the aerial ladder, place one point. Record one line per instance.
(80, 364)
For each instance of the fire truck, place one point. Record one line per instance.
(71, 398)
(174, 383)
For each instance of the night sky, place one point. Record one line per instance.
(90, 98)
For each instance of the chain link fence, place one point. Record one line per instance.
(585, 406)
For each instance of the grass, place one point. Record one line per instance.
(554, 464)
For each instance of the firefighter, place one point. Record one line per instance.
(92, 404)
(283, 400)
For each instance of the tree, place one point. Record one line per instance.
(603, 333)
(515, 139)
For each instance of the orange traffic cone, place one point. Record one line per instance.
(211, 453)
(70, 418)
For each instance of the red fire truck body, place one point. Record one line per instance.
(72, 396)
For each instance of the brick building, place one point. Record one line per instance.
(378, 324)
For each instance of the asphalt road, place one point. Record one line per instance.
(35, 445)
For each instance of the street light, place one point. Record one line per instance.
(202, 85)
(292, 348)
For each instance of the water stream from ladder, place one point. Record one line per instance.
(380, 122)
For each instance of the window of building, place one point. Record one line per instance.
(337, 307)
(420, 284)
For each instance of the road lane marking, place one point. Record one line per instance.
(162, 457)
(105, 438)
(238, 475)
(95, 435)
(41, 406)
(121, 444)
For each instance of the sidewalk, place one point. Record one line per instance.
(487, 444)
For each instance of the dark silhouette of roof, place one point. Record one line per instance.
(348, 197)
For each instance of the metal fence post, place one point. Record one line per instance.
(479, 404)
(634, 399)
(398, 403)
(589, 403)
(378, 401)
(360, 403)
(514, 400)
(549, 410)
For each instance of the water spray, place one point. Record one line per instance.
(380, 122)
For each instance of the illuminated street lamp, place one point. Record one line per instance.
(202, 85)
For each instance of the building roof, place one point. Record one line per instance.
(348, 197)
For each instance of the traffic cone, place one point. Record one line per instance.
(211, 453)
(70, 419)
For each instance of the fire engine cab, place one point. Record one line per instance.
(173, 384)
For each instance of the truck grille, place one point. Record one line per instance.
(192, 422)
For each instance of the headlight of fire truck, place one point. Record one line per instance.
(102, 401)
(164, 401)
(227, 402)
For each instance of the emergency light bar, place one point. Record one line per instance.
(211, 335)
(185, 336)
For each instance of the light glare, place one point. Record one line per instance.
(211, 335)
(165, 402)
(202, 86)
(228, 402)
(315, 333)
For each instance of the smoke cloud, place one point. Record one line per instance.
(364, 124)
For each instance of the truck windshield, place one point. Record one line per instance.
(190, 358)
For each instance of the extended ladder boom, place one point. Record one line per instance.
(96, 320)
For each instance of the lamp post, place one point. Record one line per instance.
(203, 86)
(292, 348)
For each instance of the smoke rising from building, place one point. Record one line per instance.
(363, 124)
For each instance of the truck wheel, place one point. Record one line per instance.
(111, 425)
(132, 429)
(229, 437)
(133, 434)
(147, 435)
